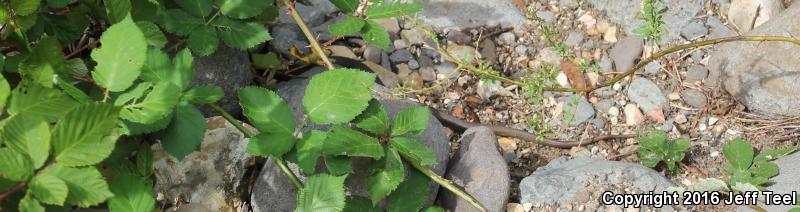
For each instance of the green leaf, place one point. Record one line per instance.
(338, 95)
(433, 209)
(267, 144)
(203, 94)
(158, 68)
(5, 91)
(309, 149)
(345, 141)
(14, 165)
(198, 8)
(269, 61)
(413, 120)
(415, 150)
(36, 100)
(120, 57)
(73, 91)
(57, 3)
(338, 165)
(382, 183)
(4, 15)
(347, 26)
(710, 184)
(86, 185)
(185, 132)
(29, 204)
(374, 119)
(241, 35)
(179, 22)
(152, 34)
(29, 135)
(132, 128)
(266, 110)
(203, 41)
(766, 170)
(764, 155)
(655, 140)
(44, 60)
(131, 193)
(739, 154)
(144, 160)
(347, 6)
(375, 34)
(146, 10)
(359, 204)
(390, 10)
(48, 189)
(322, 192)
(78, 138)
(117, 9)
(157, 105)
(242, 9)
(649, 158)
(24, 7)
(411, 194)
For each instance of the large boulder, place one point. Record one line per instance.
(563, 180)
(211, 176)
(272, 190)
(462, 14)
(763, 75)
(227, 68)
(479, 168)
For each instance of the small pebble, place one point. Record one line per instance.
(508, 38)
(616, 86)
(714, 154)
(712, 120)
(514, 207)
(413, 64)
(680, 118)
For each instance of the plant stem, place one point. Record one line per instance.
(311, 39)
(16, 188)
(635, 68)
(247, 133)
(443, 182)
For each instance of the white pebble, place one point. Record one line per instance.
(714, 154)
(616, 86)
(712, 120)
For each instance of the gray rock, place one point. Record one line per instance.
(286, 36)
(625, 52)
(458, 37)
(427, 74)
(227, 68)
(464, 14)
(373, 54)
(521, 50)
(603, 105)
(698, 55)
(413, 64)
(562, 179)
(606, 64)
(547, 16)
(425, 61)
(479, 168)
(668, 125)
(312, 15)
(625, 12)
(589, 44)
(694, 98)
(647, 94)
(605, 92)
(548, 55)
(508, 38)
(763, 76)
(413, 36)
(448, 70)
(209, 176)
(273, 191)
(718, 29)
(694, 30)
(598, 123)
(580, 109)
(400, 44)
(488, 51)
(652, 67)
(401, 56)
(574, 39)
(695, 73)
(568, 4)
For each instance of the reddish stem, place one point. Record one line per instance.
(16, 188)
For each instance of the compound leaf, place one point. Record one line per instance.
(375, 34)
(347, 26)
(32, 99)
(267, 144)
(374, 119)
(131, 193)
(156, 105)
(322, 192)
(338, 95)
(185, 132)
(29, 135)
(121, 56)
(266, 110)
(345, 141)
(86, 185)
(411, 194)
(49, 189)
(309, 149)
(203, 41)
(78, 139)
(413, 120)
(383, 182)
(203, 94)
(14, 165)
(241, 35)
(414, 149)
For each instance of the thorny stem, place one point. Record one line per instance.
(632, 70)
(444, 182)
(247, 133)
(314, 44)
(425, 170)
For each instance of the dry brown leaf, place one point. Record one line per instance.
(575, 76)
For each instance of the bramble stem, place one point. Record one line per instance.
(311, 39)
(443, 182)
(635, 68)
(247, 133)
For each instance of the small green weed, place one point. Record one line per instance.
(652, 12)
(744, 166)
(656, 148)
